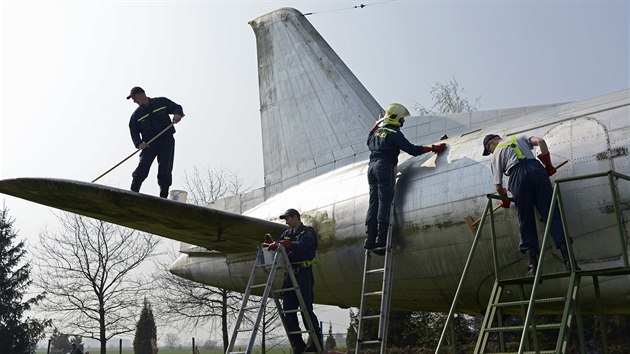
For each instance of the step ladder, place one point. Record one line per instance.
(280, 261)
(527, 287)
(372, 269)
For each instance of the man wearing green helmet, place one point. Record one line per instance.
(385, 141)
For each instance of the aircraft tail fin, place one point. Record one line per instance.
(315, 114)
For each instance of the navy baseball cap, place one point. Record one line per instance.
(290, 212)
(485, 142)
(134, 91)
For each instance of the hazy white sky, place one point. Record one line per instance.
(67, 67)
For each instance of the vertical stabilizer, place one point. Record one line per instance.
(315, 113)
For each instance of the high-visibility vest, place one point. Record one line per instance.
(512, 143)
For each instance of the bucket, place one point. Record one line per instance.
(178, 196)
(268, 256)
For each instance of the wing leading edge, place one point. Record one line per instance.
(213, 229)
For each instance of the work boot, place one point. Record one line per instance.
(371, 237)
(297, 344)
(135, 185)
(532, 262)
(310, 347)
(164, 191)
(381, 238)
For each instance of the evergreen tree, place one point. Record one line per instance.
(146, 333)
(59, 342)
(17, 335)
(330, 343)
(351, 334)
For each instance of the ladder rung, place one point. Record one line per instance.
(525, 302)
(291, 311)
(372, 341)
(258, 286)
(284, 290)
(520, 328)
(374, 293)
(376, 270)
(370, 317)
(237, 352)
(298, 332)
(244, 329)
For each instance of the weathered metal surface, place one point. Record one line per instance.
(315, 117)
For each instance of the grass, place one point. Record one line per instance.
(201, 351)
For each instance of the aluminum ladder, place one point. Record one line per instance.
(280, 261)
(384, 269)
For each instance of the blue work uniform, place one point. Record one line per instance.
(530, 187)
(302, 257)
(145, 123)
(385, 145)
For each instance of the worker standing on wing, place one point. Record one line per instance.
(152, 116)
(385, 143)
(530, 187)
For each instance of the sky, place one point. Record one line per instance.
(67, 67)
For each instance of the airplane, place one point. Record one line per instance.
(315, 117)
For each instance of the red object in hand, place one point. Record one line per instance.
(505, 203)
(285, 243)
(546, 160)
(438, 148)
(268, 241)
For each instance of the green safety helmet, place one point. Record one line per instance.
(394, 113)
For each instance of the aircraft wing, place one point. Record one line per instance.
(210, 228)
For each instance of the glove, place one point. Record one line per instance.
(505, 203)
(285, 243)
(438, 148)
(546, 160)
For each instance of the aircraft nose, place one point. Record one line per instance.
(181, 267)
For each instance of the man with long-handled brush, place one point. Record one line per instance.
(152, 120)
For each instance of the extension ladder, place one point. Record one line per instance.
(280, 261)
(383, 268)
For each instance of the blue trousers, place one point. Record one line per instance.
(531, 188)
(304, 277)
(164, 149)
(381, 178)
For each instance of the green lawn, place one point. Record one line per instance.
(281, 350)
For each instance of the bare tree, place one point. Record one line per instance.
(194, 303)
(172, 340)
(448, 97)
(190, 302)
(87, 272)
(207, 186)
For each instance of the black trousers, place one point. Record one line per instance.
(304, 277)
(380, 176)
(531, 188)
(164, 149)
